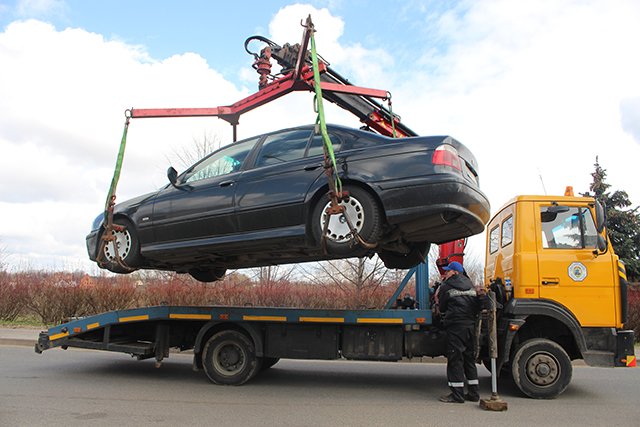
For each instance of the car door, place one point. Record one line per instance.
(201, 205)
(271, 194)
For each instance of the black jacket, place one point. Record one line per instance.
(458, 301)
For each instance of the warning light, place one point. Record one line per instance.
(529, 291)
(568, 191)
(421, 320)
(514, 327)
(77, 330)
(224, 317)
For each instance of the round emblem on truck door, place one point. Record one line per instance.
(577, 271)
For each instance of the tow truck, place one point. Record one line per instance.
(560, 290)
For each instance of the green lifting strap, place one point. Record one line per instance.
(116, 173)
(326, 141)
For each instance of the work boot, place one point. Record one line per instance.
(450, 399)
(471, 398)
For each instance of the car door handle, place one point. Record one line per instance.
(226, 183)
(312, 167)
(550, 282)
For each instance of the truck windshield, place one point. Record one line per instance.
(574, 229)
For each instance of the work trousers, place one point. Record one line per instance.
(461, 362)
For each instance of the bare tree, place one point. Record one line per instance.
(186, 155)
(349, 274)
(4, 256)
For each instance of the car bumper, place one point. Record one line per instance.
(440, 208)
(92, 245)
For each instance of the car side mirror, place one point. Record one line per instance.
(172, 174)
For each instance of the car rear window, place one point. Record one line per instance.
(316, 145)
(283, 147)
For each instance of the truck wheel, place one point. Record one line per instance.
(229, 358)
(541, 368)
(364, 214)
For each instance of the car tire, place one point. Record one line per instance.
(128, 248)
(365, 215)
(208, 275)
(229, 358)
(396, 260)
(541, 368)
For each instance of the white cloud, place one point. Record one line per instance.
(61, 120)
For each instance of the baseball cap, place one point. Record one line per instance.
(455, 266)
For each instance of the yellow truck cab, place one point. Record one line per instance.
(562, 289)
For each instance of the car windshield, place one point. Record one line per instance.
(223, 162)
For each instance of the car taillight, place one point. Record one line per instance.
(446, 155)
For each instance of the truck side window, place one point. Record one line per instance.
(573, 229)
(507, 231)
(494, 238)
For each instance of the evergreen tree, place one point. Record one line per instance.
(623, 225)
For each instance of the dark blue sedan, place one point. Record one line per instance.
(262, 201)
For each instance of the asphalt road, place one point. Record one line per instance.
(90, 388)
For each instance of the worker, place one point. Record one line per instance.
(459, 305)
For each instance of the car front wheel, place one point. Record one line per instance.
(364, 214)
(128, 248)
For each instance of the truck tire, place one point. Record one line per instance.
(229, 358)
(541, 368)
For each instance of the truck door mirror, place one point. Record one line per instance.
(600, 217)
(602, 244)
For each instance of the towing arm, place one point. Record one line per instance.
(297, 75)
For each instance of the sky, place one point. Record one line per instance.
(536, 89)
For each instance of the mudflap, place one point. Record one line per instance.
(625, 353)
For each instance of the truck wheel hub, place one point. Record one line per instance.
(542, 369)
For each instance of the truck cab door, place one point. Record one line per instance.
(570, 273)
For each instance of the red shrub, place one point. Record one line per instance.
(634, 310)
(13, 297)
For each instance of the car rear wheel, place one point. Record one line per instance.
(364, 214)
(208, 275)
(416, 255)
(128, 245)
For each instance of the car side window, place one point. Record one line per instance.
(225, 161)
(316, 149)
(283, 147)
